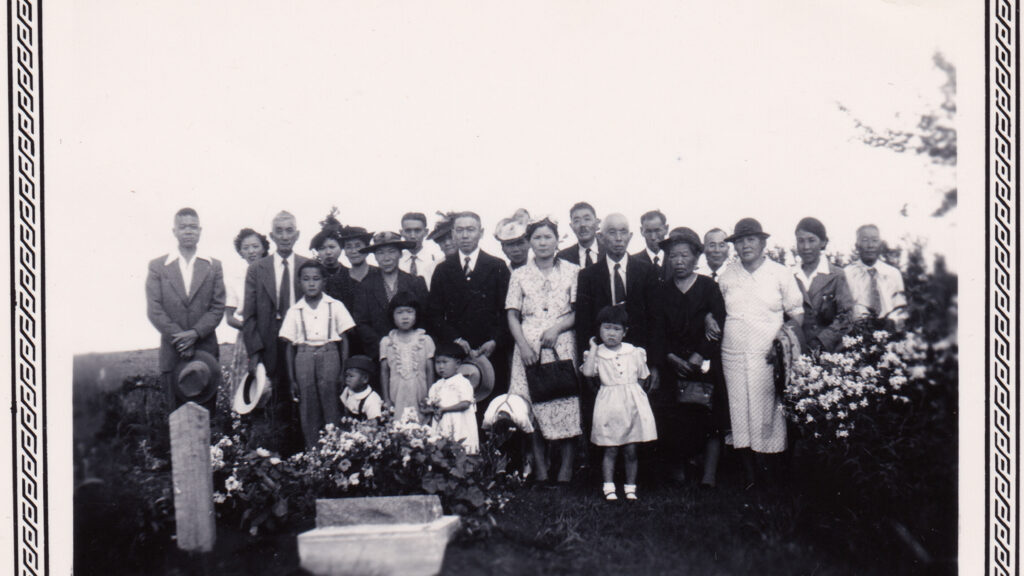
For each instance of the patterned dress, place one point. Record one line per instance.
(407, 358)
(239, 366)
(754, 306)
(542, 299)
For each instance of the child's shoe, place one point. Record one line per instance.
(630, 490)
(609, 492)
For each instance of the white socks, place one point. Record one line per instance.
(630, 490)
(609, 491)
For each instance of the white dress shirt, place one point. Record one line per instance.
(186, 267)
(472, 259)
(278, 269)
(583, 254)
(660, 255)
(890, 288)
(304, 324)
(611, 274)
(426, 260)
(822, 268)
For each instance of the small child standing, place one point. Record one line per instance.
(622, 413)
(450, 400)
(406, 352)
(315, 326)
(358, 398)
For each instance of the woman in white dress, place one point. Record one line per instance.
(251, 246)
(541, 296)
(759, 294)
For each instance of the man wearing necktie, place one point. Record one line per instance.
(466, 304)
(654, 229)
(271, 286)
(617, 278)
(584, 223)
(876, 287)
(421, 258)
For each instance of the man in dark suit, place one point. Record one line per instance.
(467, 299)
(374, 293)
(271, 287)
(185, 301)
(654, 229)
(618, 279)
(584, 223)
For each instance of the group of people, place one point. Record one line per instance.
(669, 346)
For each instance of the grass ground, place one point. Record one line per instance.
(123, 502)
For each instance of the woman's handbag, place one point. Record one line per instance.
(694, 392)
(551, 380)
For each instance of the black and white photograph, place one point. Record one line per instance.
(589, 288)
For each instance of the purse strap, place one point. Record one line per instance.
(553, 351)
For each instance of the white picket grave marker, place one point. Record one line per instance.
(193, 478)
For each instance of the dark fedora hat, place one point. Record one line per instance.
(746, 227)
(354, 233)
(385, 239)
(682, 235)
(196, 379)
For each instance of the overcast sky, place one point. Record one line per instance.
(710, 112)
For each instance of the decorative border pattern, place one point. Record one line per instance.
(28, 379)
(1002, 419)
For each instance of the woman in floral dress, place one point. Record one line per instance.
(540, 301)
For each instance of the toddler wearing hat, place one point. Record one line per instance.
(358, 398)
(450, 403)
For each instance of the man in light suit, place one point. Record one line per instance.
(185, 301)
(466, 304)
(271, 287)
(584, 223)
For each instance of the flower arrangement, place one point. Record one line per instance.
(827, 390)
(381, 457)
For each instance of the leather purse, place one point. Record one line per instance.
(552, 380)
(694, 392)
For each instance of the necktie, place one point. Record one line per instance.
(588, 260)
(714, 275)
(657, 261)
(620, 288)
(412, 264)
(284, 297)
(874, 294)
(465, 268)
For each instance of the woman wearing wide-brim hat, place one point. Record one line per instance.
(374, 293)
(759, 294)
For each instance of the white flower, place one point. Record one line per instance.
(263, 453)
(219, 498)
(354, 479)
(810, 418)
(917, 372)
(842, 433)
(232, 484)
(880, 335)
(275, 461)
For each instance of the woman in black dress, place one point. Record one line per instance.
(688, 299)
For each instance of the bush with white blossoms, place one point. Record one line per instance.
(381, 457)
(829, 392)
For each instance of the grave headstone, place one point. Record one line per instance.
(193, 478)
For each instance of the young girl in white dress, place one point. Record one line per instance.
(450, 401)
(406, 369)
(622, 414)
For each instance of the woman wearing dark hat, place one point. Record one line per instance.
(758, 294)
(353, 240)
(375, 292)
(686, 428)
(828, 304)
(327, 245)
(442, 234)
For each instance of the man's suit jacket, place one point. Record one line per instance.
(572, 254)
(171, 311)
(828, 308)
(472, 309)
(594, 292)
(370, 309)
(260, 324)
(662, 266)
